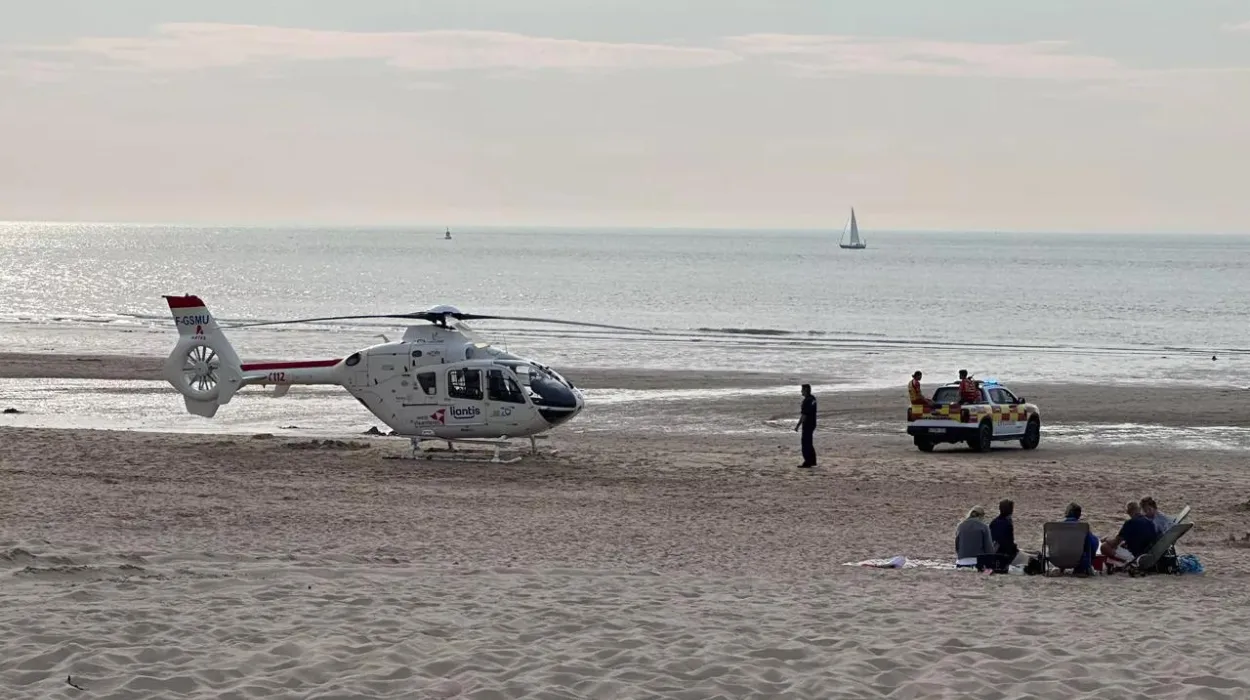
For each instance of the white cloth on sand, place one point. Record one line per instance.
(902, 562)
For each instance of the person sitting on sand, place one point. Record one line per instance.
(1134, 539)
(1071, 515)
(1151, 510)
(1003, 533)
(973, 544)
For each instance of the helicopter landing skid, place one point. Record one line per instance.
(450, 453)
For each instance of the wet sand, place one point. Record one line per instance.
(1164, 404)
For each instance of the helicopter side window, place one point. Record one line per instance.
(502, 388)
(428, 382)
(464, 384)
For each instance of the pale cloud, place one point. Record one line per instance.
(176, 47)
(1243, 27)
(900, 56)
(180, 47)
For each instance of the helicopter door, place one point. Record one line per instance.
(464, 389)
(425, 388)
(504, 395)
(388, 378)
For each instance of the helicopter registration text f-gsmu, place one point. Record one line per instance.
(439, 382)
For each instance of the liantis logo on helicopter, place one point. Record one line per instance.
(465, 412)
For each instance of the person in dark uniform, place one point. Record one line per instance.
(807, 423)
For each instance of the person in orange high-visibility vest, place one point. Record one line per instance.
(914, 392)
(969, 388)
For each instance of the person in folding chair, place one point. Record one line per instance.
(1071, 515)
(1150, 509)
(1134, 539)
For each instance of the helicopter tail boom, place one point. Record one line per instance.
(284, 374)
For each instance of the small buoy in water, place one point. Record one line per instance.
(1213, 358)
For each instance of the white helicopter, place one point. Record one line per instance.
(439, 382)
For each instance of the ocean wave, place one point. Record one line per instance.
(754, 331)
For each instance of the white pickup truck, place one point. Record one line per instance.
(997, 416)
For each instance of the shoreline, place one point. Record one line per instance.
(77, 365)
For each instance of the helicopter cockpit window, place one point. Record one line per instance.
(464, 384)
(500, 387)
(428, 382)
(549, 390)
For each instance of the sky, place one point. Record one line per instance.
(1068, 115)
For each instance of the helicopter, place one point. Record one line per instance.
(439, 382)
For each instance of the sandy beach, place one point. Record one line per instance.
(630, 565)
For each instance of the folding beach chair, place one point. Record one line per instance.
(1063, 545)
(1148, 563)
(1180, 517)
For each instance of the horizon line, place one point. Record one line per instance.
(436, 228)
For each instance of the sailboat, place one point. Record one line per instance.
(855, 242)
(447, 235)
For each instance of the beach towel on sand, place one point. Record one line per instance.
(902, 562)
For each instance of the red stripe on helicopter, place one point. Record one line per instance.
(189, 301)
(307, 364)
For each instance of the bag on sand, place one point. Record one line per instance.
(1168, 564)
(1033, 567)
(1188, 564)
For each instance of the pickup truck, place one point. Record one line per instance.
(998, 416)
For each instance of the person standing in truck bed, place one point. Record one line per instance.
(969, 388)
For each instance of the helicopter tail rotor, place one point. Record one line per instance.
(203, 366)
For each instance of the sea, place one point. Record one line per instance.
(1019, 307)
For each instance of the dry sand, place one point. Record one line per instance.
(683, 566)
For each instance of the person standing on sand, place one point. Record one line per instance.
(807, 422)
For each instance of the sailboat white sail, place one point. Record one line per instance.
(852, 228)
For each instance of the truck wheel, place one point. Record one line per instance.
(985, 436)
(1032, 434)
(924, 444)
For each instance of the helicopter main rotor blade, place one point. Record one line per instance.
(531, 319)
(325, 318)
(436, 315)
